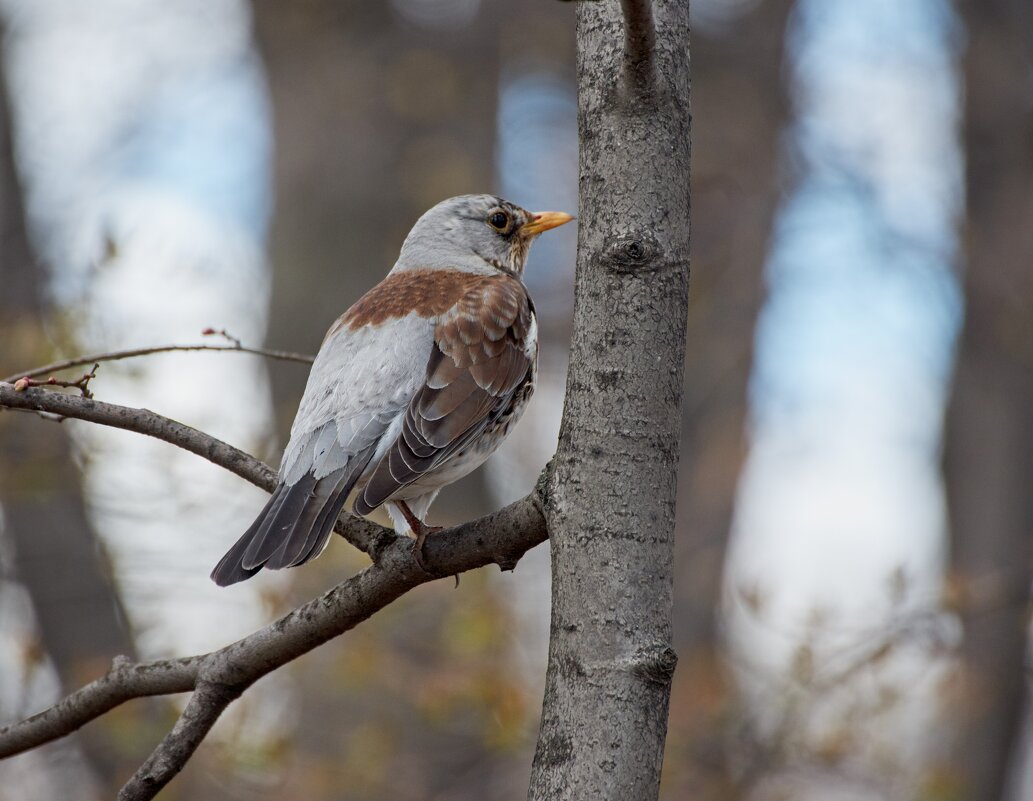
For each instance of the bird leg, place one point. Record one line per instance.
(420, 529)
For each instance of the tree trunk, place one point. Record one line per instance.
(611, 491)
(58, 558)
(741, 109)
(989, 437)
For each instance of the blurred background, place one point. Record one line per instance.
(855, 523)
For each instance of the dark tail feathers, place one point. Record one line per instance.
(292, 528)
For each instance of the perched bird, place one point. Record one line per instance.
(413, 387)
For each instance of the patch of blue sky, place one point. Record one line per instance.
(830, 32)
(847, 311)
(874, 83)
(122, 107)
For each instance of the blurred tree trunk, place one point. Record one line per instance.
(58, 557)
(611, 492)
(989, 438)
(740, 110)
(377, 118)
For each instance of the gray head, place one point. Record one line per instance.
(476, 233)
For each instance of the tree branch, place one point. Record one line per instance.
(360, 533)
(639, 43)
(125, 680)
(219, 677)
(118, 355)
(142, 421)
(206, 704)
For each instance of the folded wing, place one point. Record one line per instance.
(483, 354)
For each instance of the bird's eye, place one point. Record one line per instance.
(498, 220)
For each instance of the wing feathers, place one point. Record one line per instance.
(483, 354)
(278, 525)
(292, 540)
(230, 570)
(294, 526)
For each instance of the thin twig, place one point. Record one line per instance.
(82, 383)
(118, 355)
(53, 418)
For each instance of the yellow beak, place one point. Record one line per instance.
(543, 221)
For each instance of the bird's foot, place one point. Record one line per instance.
(420, 530)
(417, 545)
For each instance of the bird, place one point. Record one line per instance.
(413, 387)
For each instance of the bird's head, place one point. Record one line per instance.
(475, 232)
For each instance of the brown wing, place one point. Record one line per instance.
(482, 355)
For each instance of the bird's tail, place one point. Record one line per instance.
(293, 528)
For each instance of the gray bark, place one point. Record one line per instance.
(989, 435)
(610, 503)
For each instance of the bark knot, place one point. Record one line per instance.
(633, 253)
(655, 663)
(541, 496)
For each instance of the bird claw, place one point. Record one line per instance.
(421, 532)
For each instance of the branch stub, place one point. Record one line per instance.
(633, 253)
